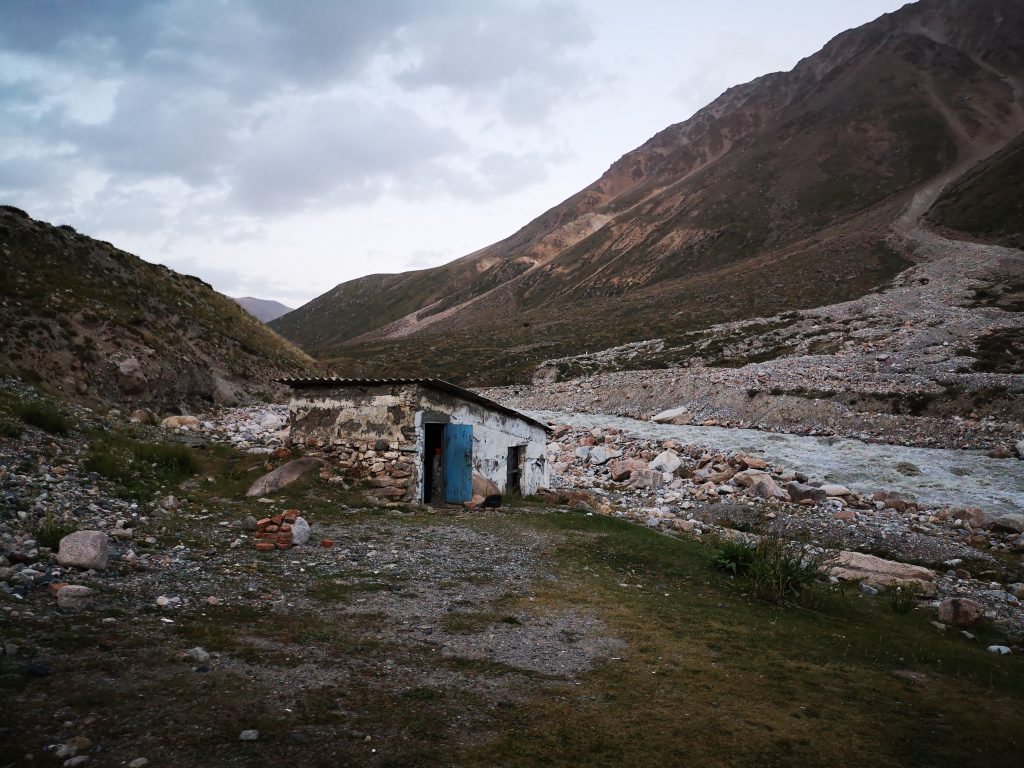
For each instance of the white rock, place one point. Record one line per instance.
(1002, 650)
(250, 735)
(602, 454)
(666, 461)
(300, 531)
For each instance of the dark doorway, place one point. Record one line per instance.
(433, 463)
(513, 480)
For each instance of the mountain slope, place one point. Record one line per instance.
(88, 321)
(777, 196)
(263, 310)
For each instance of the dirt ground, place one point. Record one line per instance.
(523, 637)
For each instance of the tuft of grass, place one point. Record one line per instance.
(10, 429)
(782, 570)
(44, 416)
(902, 598)
(733, 556)
(173, 460)
(51, 531)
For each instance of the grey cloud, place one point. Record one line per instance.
(334, 148)
(239, 100)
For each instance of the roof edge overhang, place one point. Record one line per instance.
(327, 382)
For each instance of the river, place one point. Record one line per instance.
(932, 476)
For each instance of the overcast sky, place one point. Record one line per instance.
(278, 148)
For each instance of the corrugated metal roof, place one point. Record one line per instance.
(439, 384)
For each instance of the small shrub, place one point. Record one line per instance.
(782, 570)
(51, 531)
(10, 429)
(733, 556)
(44, 416)
(903, 597)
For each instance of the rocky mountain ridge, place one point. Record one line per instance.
(90, 322)
(778, 196)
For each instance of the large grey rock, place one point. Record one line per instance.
(84, 549)
(960, 612)
(647, 478)
(300, 531)
(283, 476)
(799, 492)
(130, 376)
(678, 416)
(766, 488)
(666, 461)
(74, 597)
(1009, 521)
(602, 454)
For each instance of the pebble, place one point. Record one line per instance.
(250, 735)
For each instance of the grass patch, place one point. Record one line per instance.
(45, 416)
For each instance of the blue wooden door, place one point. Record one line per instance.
(458, 463)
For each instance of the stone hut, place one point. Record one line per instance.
(419, 440)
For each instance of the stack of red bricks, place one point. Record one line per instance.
(275, 532)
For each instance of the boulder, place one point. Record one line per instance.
(833, 489)
(130, 377)
(483, 486)
(647, 478)
(74, 597)
(300, 531)
(84, 549)
(666, 461)
(603, 454)
(621, 469)
(283, 476)
(1020, 449)
(800, 492)
(1011, 522)
(766, 488)
(960, 612)
(677, 416)
(748, 477)
(878, 572)
(144, 416)
(751, 462)
(177, 422)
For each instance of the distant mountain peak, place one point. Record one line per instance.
(263, 310)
